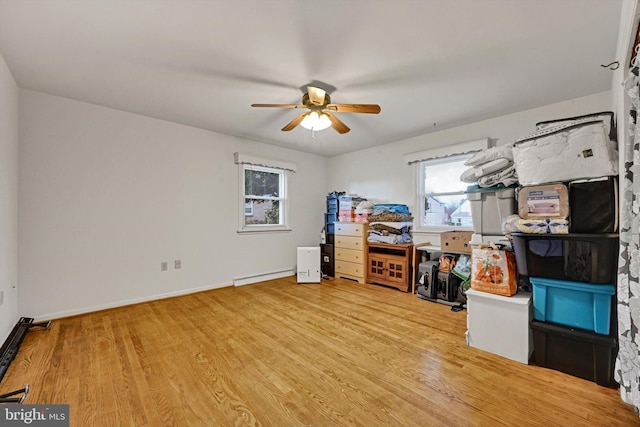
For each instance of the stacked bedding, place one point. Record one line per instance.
(390, 223)
(491, 167)
(567, 171)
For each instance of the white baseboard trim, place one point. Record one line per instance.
(75, 312)
(241, 281)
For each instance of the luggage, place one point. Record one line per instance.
(447, 286)
(428, 271)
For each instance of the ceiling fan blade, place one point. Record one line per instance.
(278, 105)
(295, 122)
(337, 124)
(316, 95)
(354, 108)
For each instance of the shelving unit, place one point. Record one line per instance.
(417, 257)
(390, 265)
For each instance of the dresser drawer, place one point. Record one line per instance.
(351, 255)
(349, 242)
(350, 228)
(349, 268)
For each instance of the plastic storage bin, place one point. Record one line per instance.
(500, 325)
(591, 258)
(574, 304)
(574, 352)
(489, 206)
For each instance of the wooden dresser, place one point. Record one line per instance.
(350, 246)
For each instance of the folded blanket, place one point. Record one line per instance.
(493, 153)
(397, 225)
(386, 230)
(395, 239)
(381, 208)
(506, 177)
(515, 224)
(474, 173)
(390, 217)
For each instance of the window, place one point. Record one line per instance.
(442, 202)
(263, 198)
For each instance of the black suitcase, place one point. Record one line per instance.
(428, 271)
(447, 286)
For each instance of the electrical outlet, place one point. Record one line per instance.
(1, 297)
(177, 264)
(164, 266)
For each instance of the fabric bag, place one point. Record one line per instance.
(493, 270)
(447, 263)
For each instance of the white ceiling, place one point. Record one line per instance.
(430, 64)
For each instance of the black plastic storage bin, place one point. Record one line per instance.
(591, 258)
(575, 352)
(593, 206)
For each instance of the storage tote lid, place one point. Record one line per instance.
(606, 289)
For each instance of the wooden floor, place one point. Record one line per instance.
(282, 354)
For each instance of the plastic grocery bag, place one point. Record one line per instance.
(493, 270)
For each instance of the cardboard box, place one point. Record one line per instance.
(457, 241)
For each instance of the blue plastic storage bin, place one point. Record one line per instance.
(575, 304)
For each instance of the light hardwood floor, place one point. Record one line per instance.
(281, 354)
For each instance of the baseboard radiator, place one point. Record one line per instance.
(8, 352)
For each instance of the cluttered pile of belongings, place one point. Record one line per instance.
(564, 175)
(390, 223)
(491, 167)
(567, 171)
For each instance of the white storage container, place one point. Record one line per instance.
(489, 206)
(500, 325)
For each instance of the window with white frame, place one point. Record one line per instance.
(442, 202)
(263, 203)
(264, 196)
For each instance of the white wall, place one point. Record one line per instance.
(105, 196)
(380, 175)
(8, 200)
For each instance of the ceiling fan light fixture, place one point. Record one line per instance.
(316, 121)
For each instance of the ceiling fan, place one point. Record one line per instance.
(320, 115)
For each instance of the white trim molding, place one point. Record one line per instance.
(250, 159)
(241, 281)
(447, 151)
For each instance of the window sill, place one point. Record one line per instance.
(263, 230)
